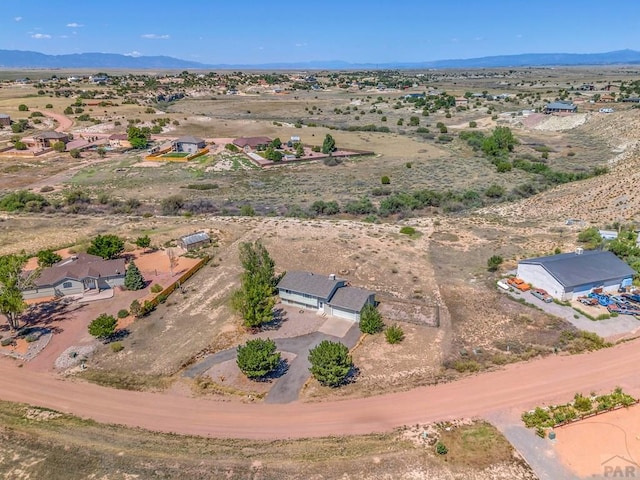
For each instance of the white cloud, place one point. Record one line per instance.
(155, 36)
(41, 36)
(64, 36)
(133, 54)
(301, 44)
(17, 19)
(74, 25)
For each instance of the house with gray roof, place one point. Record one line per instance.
(569, 275)
(77, 275)
(560, 107)
(5, 120)
(194, 240)
(324, 293)
(188, 144)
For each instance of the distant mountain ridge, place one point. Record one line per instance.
(28, 59)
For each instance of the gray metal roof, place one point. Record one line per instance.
(350, 298)
(4, 115)
(195, 238)
(561, 106)
(591, 266)
(190, 139)
(320, 286)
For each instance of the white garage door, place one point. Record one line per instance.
(338, 312)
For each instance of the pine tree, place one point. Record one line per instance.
(133, 279)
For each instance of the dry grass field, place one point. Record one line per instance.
(443, 264)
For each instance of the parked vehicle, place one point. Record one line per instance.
(542, 295)
(503, 285)
(634, 297)
(603, 299)
(592, 302)
(518, 283)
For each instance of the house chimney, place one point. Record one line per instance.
(332, 276)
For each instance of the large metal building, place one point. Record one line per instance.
(569, 275)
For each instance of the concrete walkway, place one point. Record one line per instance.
(611, 327)
(537, 452)
(287, 387)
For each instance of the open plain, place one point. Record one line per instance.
(432, 280)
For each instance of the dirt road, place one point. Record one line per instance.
(64, 122)
(519, 386)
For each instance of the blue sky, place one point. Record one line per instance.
(375, 31)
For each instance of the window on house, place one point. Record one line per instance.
(67, 285)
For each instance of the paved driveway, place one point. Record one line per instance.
(287, 388)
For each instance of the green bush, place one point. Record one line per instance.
(394, 334)
(31, 338)
(371, 320)
(582, 403)
(406, 230)
(103, 327)
(494, 262)
(123, 313)
(5, 342)
(330, 363)
(385, 180)
(156, 288)
(441, 448)
(257, 358)
(117, 347)
(23, 108)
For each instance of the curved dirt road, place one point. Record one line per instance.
(519, 386)
(64, 122)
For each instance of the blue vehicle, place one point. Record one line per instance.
(631, 296)
(603, 300)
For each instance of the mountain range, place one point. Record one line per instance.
(28, 59)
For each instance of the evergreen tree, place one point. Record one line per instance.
(133, 279)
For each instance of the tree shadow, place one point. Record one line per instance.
(279, 317)
(118, 335)
(279, 371)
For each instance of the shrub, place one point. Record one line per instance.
(48, 105)
(330, 363)
(495, 191)
(371, 320)
(156, 288)
(494, 262)
(394, 334)
(31, 338)
(47, 188)
(257, 358)
(23, 108)
(441, 448)
(582, 403)
(123, 313)
(117, 347)
(75, 153)
(5, 342)
(247, 211)
(385, 180)
(473, 124)
(103, 327)
(408, 230)
(20, 145)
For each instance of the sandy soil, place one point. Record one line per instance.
(602, 445)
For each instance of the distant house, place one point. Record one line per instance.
(77, 275)
(324, 293)
(560, 107)
(188, 144)
(631, 100)
(249, 144)
(5, 120)
(461, 101)
(47, 139)
(608, 234)
(607, 98)
(568, 275)
(119, 140)
(414, 95)
(587, 87)
(194, 240)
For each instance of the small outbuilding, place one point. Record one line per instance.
(325, 294)
(194, 240)
(188, 144)
(569, 275)
(5, 120)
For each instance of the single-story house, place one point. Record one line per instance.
(119, 140)
(324, 293)
(77, 275)
(569, 275)
(560, 107)
(249, 144)
(194, 240)
(188, 144)
(5, 120)
(608, 234)
(47, 139)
